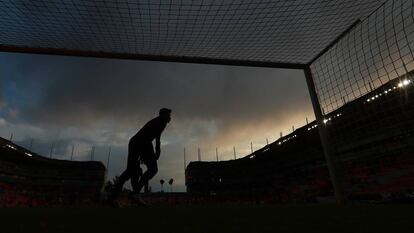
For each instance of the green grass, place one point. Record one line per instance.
(224, 218)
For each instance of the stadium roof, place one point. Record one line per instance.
(284, 33)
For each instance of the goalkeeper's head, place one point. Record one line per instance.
(165, 114)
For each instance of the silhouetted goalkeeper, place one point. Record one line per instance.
(140, 148)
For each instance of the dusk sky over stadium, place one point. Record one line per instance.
(102, 102)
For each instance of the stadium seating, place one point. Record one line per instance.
(374, 142)
(28, 179)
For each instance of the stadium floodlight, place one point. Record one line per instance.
(11, 147)
(162, 181)
(28, 154)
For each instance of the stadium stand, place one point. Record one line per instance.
(28, 179)
(375, 163)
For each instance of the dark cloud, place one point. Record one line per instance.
(75, 91)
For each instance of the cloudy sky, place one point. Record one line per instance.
(88, 102)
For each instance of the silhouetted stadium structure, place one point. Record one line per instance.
(376, 158)
(28, 179)
(347, 49)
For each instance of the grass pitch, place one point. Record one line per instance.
(216, 218)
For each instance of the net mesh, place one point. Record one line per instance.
(283, 31)
(378, 50)
(365, 85)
